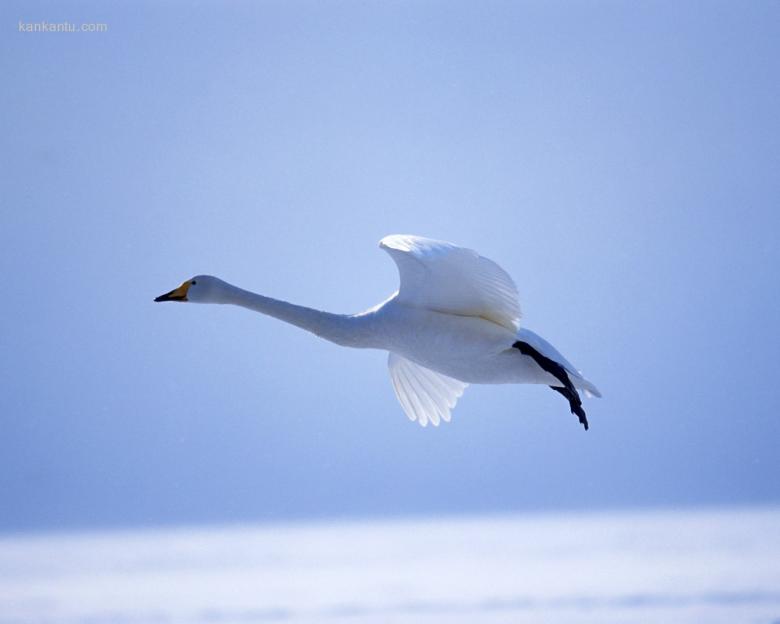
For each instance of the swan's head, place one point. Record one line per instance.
(199, 289)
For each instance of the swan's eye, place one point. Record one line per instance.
(194, 282)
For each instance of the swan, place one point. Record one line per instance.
(454, 321)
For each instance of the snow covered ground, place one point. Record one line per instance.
(707, 566)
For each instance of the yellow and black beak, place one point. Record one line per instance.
(177, 294)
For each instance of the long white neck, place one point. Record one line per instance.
(343, 329)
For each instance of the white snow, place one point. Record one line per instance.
(696, 566)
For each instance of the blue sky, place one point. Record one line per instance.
(619, 160)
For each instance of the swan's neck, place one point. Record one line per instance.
(343, 329)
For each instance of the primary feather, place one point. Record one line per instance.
(425, 395)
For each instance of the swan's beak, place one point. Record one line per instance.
(177, 294)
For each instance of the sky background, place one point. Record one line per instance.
(619, 160)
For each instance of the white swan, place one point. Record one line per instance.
(453, 321)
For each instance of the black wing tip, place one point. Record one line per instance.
(580, 413)
(575, 404)
(557, 371)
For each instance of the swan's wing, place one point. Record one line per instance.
(425, 395)
(444, 277)
(547, 350)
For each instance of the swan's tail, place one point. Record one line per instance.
(587, 387)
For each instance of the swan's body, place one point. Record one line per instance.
(454, 321)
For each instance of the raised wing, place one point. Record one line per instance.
(425, 395)
(440, 276)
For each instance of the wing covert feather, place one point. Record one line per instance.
(440, 276)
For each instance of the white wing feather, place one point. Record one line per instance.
(425, 395)
(440, 276)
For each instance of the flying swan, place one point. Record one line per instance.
(454, 321)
